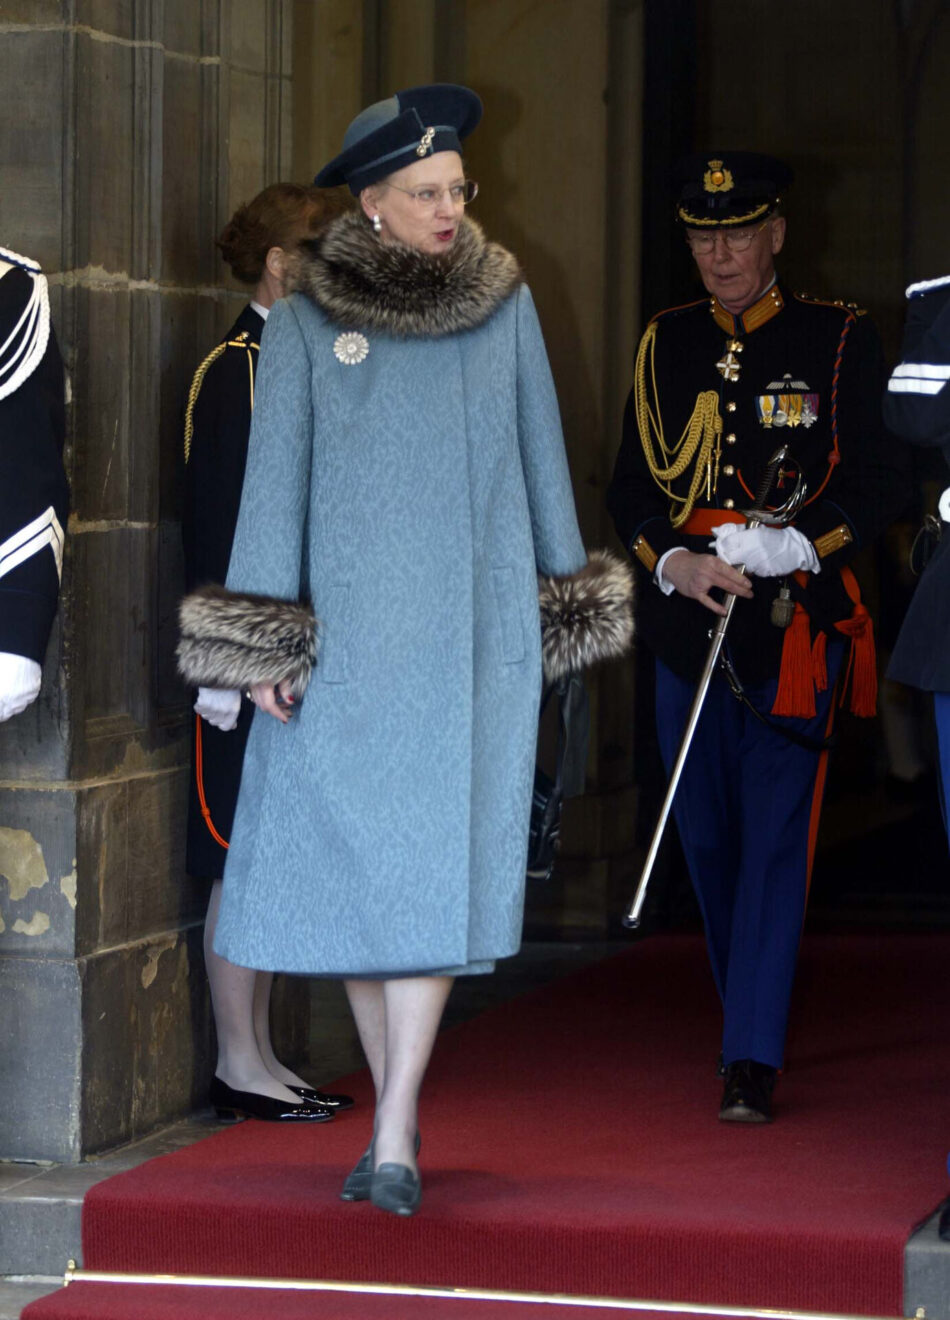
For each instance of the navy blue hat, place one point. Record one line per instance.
(396, 132)
(728, 187)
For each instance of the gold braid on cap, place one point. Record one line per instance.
(695, 220)
(699, 444)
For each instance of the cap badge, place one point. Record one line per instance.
(425, 145)
(716, 179)
(351, 348)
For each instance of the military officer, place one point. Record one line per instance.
(34, 496)
(719, 384)
(917, 408)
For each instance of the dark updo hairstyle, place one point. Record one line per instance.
(281, 216)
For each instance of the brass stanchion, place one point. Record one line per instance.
(76, 1275)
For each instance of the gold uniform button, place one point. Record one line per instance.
(731, 438)
(729, 470)
(728, 504)
(731, 406)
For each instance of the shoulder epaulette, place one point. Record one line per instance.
(926, 286)
(851, 307)
(241, 340)
(24, 349)
(679, 309)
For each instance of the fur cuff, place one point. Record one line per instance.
(232, 640)
(586, 617)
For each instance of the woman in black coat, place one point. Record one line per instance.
(255, 243)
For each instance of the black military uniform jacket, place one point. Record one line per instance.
(217, 426)
(34, 495)
(789, 369)
(917, 408)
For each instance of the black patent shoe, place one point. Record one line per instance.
(357, 1183)
(338, 1102)
(230, 1105)
(396, 1189)
(747, 1094)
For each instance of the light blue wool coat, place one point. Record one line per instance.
(413, 497)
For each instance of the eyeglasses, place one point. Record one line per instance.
(427, 199)
(738, 241)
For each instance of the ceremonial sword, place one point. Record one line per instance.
(755, 517)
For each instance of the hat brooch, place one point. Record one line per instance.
(351, 348)
(425, 145)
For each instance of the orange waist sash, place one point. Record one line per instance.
(803, 660)
(701, 521)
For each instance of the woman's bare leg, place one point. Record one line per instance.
(369, 1013)
(263, 983)
(239, 1064)
(413, 1011)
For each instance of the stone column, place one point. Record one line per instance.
(138, 125)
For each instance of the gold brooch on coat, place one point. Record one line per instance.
(351, 348)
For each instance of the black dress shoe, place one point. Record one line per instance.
(338, 1102)
(747, 1094)
(943, 1224)
(231, 1105)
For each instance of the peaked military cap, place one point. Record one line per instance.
(728, 187)
(402, 129)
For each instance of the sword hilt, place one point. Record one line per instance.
(765, 485)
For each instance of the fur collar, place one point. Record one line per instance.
(363, 284)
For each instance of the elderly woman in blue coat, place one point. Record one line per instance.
(406, 474)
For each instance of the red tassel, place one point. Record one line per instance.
(819, 662)
(796, 684)
(862, 662)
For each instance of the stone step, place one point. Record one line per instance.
(17, 1292)
(41, 1205)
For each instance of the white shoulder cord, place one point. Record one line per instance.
(23, 350)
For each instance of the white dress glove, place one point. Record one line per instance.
(219, 706)
(20, 680)
(765, 551)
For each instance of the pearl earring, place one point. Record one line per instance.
(377, 224)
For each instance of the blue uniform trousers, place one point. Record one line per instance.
(747, 808)
(942, 720)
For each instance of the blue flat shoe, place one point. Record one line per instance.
(396, 1189)
(356, 1185)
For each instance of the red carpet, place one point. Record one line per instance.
(570, 1144)
(92, 1301)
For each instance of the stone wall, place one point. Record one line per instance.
(137, 128)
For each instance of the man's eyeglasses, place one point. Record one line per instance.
(427, 199)
(738, 240)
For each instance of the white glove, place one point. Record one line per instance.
(219, 706)
(20, 680)
(765, 551)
